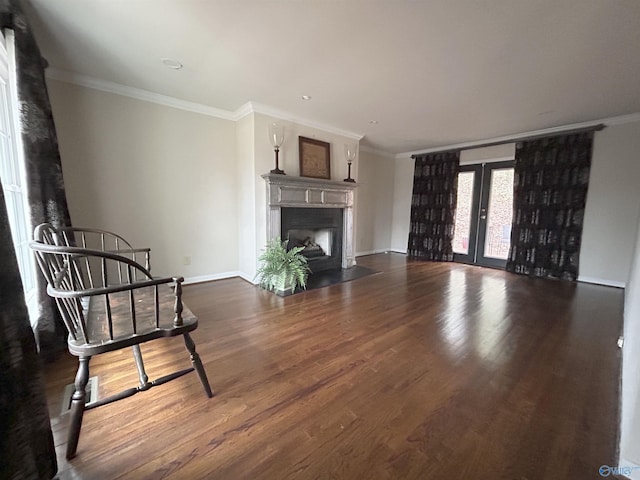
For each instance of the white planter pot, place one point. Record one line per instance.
(283, 286)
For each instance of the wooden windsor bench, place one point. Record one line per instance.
(109, 301)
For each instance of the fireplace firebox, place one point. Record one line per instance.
(318, 231)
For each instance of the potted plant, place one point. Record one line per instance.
(282, 270)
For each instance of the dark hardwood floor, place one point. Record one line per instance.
(425, 371)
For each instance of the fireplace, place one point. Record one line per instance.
(316, 212)
(318, 231)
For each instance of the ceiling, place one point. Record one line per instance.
(432, 73)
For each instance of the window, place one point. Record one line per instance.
(12, 171)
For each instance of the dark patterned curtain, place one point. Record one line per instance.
(433, 206)
(550, 191)
(45, 185)
(26, 443)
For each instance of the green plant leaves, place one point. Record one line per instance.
(280, 268)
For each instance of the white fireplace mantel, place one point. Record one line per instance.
(288, 191)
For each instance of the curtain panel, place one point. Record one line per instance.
(550, 190)
(45, 185)
(433, 206)
(26, 442)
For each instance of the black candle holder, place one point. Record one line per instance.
(349, 179)
(277, 170)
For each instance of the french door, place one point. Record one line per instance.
(484, 214)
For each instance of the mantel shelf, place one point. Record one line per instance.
(275, 179)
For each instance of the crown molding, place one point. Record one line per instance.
(253, 107)
(243, 111)
(621, 119)
(137, 93)
(289, 117)
(610, 121)
(147, 96)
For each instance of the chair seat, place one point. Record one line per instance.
(97, 324)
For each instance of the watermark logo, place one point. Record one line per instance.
(606, 470)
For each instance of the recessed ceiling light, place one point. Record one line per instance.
(171, 63)
(306, 97)
(373, 122)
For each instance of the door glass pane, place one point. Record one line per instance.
(500, 214)
(463, 213)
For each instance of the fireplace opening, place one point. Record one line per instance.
(315, 243)
(318, 231)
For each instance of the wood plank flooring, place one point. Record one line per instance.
(425, 371)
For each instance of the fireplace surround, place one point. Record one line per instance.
(321, 199)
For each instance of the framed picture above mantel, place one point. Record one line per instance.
(315, 158)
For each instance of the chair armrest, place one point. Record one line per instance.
(133, 251)
(62, 266)
(80, 236)
(90, 292)
(130, 250)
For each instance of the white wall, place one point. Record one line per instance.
(288, 157)
(374, 199)
(161, 177)
(613, 205)
(630, 412)
(246, 195)
(402, 191)
(495, 153)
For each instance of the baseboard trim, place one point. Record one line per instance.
(218, 276)
(395, 250)
(372, 252)
(601, 281)
(246, 278)
(209, 278)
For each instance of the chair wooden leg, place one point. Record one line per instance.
(197, 364)
(78, 401)
(142, 375)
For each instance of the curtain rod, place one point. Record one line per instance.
(571, 131)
